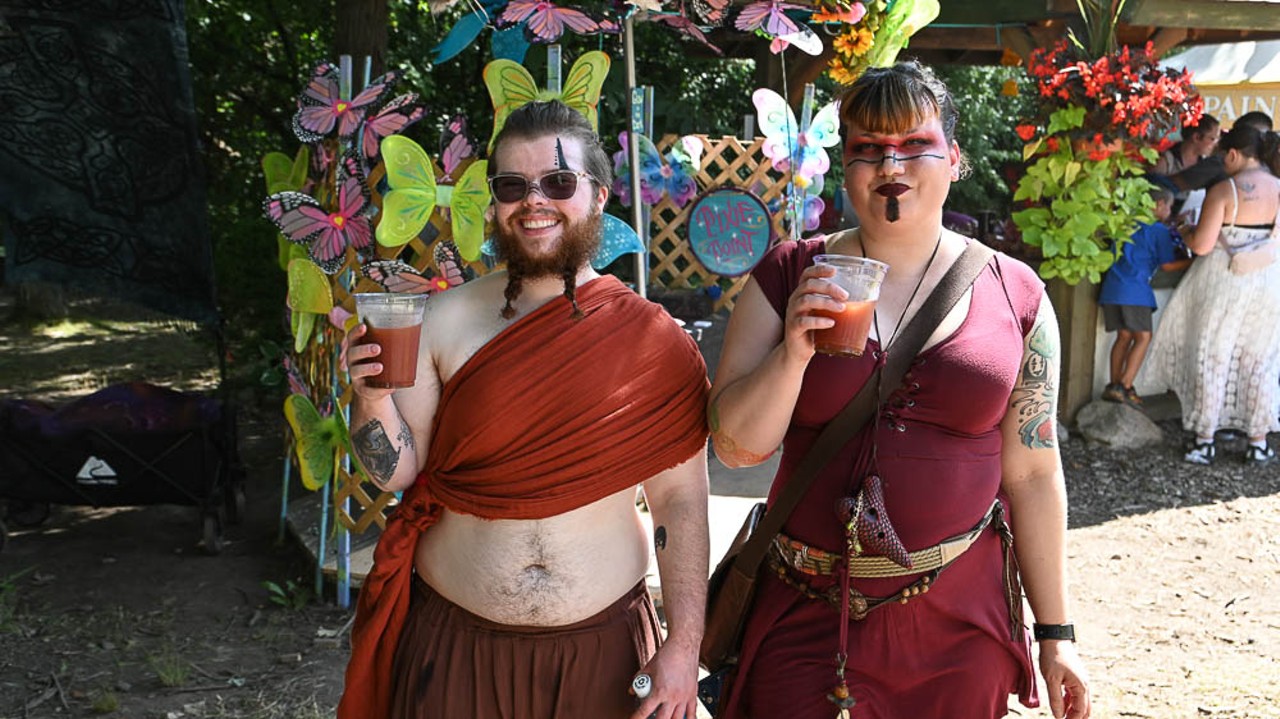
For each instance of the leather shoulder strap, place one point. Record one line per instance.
(863, 406)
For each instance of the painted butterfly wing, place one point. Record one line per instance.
(304, 221)
(467, 206)
(686, 27)
(393, 118)
(683, 158)
(354, 204)
(407, 206)
(456, 146)
(397, 276)
(780, 128)
(582, 86)
(710, 12)
(548, 23)
(449, 261)
(315, 118)
(767, 15)
(354, 111)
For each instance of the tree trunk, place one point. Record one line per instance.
(41, 301)
(362, 31)
(1077, 310)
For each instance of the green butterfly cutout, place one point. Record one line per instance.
(310, 297)
(316, 440)
(414, 195)
(510, 86)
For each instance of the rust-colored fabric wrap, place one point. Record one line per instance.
(551, 415)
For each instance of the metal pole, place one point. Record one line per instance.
(633, 149)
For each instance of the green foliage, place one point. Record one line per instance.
(170, 669)
(983, 133)
(292, 596)
(9, 600)
(105, 702)
(1082, 199)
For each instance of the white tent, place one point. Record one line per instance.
(1234, 78)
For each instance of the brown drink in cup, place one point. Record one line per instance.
(861, 278)
(393, 321)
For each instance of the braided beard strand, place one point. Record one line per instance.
(578, 242)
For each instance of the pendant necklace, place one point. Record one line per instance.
(867, 525)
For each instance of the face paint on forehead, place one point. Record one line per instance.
(560, 161)
(913, 145)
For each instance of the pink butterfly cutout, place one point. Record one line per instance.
(304, 221)
(711, 12)
(321, 107)
(394, 117)
(545, 21)
(456, 146)
(398, 276)
(768, 16)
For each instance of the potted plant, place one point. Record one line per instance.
(1099, 123)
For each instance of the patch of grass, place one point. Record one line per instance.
(171, 669)
(9, 601)
(105, 702)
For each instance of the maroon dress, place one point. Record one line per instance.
(949, 652)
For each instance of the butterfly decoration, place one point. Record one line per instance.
(801, 150)
(310, 296)
(466, 30)
(617, 238)
(317, 438)
(304, 221)
(710, 12)
(673, 174)
(391, 119)
(681, 24)
(400, 276)
(805, 206)
(544, 21)
(286, 175)
(456, 147)
(511, 86)
(321, 107)
(803, 39)
(769, 17)
(414, 195)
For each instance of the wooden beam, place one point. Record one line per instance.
(1167, 38)
(968, 38)
(1235, 15)
(993, 12)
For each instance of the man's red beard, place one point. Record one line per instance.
(578, 242)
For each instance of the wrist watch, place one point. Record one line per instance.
(1065, 632)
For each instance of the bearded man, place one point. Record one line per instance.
(509, 582)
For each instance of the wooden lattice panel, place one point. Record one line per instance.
(726, 162)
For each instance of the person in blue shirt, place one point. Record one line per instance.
(1127, 299)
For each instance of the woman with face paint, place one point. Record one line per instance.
(951, 493)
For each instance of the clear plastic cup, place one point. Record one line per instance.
(394, 322)
(861, 278)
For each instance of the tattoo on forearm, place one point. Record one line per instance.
(1035, 395)
(726, 447)
(660, 538)
(376, 452)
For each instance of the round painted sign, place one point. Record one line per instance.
(729, 230)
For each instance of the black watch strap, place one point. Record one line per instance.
(1065, 632)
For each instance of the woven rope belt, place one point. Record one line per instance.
(818, 562)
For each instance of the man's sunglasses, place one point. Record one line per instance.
(558, 185)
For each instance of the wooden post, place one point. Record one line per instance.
(1077, 310)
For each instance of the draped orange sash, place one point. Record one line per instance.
(551, 415)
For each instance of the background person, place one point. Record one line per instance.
(1218, 343)
(509, 582)
(972, 423)
(1127, 298)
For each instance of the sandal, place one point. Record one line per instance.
(1131, 398)
(1203, 453)
(1259, 455)
(1113, 392)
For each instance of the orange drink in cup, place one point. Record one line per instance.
(393, 321)
(861, 278)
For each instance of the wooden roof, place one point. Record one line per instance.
(977, 31)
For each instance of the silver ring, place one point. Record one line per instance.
(642, 685)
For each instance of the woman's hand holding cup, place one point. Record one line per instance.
(816, 291)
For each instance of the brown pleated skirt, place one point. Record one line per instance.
(452, 663)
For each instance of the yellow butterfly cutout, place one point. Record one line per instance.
(414, 195)
(511, 86)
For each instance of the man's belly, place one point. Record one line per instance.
(544, 572)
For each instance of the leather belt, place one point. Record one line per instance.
(818, 562)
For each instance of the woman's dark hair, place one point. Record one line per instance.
(1205, 125)
(897, 98)
(540, 119)
(1249, 141)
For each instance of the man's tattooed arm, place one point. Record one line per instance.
(376, 452)
(1035, 397)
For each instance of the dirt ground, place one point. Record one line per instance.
(117, 612)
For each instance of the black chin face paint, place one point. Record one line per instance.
(891, 209)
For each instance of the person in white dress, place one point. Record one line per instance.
(1218, 343)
